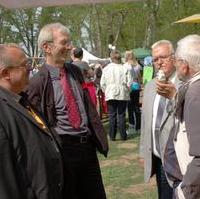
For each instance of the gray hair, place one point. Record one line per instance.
(163, 43)
(115, 56)
(5, 59)
(188, 49)
(46, 33)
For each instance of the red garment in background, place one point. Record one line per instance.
(92, 91)
(102, 102)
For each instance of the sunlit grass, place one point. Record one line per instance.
(122, 173)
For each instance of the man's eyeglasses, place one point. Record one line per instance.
(162, 58)
(67, 43)
(180, 60)
(25, 65)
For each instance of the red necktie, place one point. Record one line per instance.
(72, 107)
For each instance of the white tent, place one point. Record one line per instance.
(90, 58)
(11, 4)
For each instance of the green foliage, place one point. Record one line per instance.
(126, 25)
(170, 13)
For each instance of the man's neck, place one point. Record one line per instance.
(76, 59)
(54, 63)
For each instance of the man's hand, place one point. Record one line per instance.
(166, 89)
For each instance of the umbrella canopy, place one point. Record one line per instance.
(141, 53)
(191, 19)
(11, 4)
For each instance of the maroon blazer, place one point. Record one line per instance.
(40, 94)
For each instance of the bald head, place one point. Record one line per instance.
(14, 71)
(7, 58)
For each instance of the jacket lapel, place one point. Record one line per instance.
(151, 99)
(165, 113)
(15, 105)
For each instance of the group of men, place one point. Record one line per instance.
(49, 129)
(170, 130)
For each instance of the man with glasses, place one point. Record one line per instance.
(30, 159)
(58, 92)
(185, 137)
(156, 120)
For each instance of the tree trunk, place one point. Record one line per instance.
(152, 8)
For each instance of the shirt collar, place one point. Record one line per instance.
(54, 71)
(11, 94)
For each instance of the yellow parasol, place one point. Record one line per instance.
(191, 19)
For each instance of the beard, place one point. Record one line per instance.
(182, 77)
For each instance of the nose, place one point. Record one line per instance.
(160, 61)
(70, 46)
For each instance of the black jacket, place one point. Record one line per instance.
(40, 94)
(30, 162)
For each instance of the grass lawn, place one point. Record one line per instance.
(122, 173)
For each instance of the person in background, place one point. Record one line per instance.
(90, 85)
(157, 122)
(134, 113)
(77, 55)
(148, 70)
(31, 164)
(115, 83)
(103, 109)
(57, 92)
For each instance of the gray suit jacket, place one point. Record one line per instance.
(146, 146)
(191, 179)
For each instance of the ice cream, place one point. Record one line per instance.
(161, 76)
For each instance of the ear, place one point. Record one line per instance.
(46, 47)
(186, 69)
(5, 73)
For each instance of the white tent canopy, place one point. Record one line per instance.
(90, 58)
(11, 4)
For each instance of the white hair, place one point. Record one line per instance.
(46, 33)
(188, 49)
(163, 43)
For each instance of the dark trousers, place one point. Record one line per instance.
(117, 111)
(81, 170)
(134, 113)
(164, 190)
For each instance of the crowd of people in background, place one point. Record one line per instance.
(51, 128)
